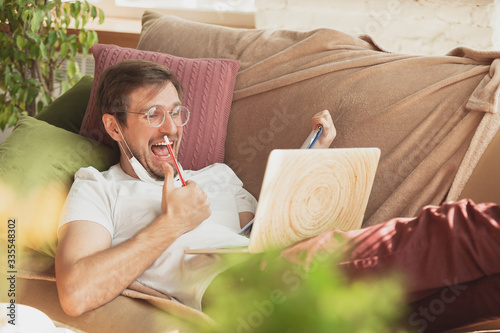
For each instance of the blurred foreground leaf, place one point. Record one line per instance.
(269, 294)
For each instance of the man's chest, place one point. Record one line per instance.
(136, 207)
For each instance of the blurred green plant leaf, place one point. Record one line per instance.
(267, 293)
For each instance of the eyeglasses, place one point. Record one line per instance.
(156, 115)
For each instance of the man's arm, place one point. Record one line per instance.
(90, 273)
(245, 218)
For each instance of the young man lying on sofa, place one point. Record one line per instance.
(134, 221)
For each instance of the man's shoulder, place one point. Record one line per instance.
(92, 174)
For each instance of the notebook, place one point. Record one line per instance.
(306, 192)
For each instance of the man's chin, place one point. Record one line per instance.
(159, 174)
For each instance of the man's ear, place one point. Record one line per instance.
(111, 126)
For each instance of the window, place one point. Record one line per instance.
(246, 6)
(236, 13)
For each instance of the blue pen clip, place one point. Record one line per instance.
(312, 138)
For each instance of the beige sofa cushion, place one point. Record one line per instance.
(412, 107)
(121, 315)
(484, 183)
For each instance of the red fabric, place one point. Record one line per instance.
(449, 255)
(455, 242)
(458, 305)
(208, 91)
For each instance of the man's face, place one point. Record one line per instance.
(146, 141)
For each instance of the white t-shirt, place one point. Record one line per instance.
(124, 205)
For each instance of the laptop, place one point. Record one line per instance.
(306, 192)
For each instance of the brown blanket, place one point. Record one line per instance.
(425, 113)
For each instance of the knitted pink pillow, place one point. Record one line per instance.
(208, 91)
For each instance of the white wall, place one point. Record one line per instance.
(495, 22)
(431, 27)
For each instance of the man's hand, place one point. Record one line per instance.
(184, 207)
(324, 119)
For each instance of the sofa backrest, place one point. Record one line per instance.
(411, 107)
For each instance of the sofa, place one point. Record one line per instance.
(435, 120)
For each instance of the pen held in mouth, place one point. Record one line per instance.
(174, 159)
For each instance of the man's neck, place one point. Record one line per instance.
(126, 167)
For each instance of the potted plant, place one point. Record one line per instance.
(34, 44)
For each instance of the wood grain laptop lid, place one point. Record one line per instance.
(306, 192)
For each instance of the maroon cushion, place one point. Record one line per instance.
(208, 91)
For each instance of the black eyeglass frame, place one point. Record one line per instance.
(178, 108)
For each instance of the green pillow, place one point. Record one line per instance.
(37, 164)
(68, 110)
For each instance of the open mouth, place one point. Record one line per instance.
(160, 150)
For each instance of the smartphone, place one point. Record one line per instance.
(247, 229)
(312, 138)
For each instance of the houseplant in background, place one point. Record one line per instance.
(34, 44)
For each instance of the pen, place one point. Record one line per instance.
(175, 160)
(317, 133)
(311, 139)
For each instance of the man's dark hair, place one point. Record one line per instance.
(119, 80)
